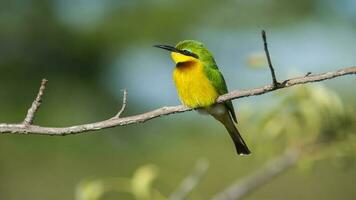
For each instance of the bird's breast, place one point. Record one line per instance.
(193, 87)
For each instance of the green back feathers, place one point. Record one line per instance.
(218, 81)
(211, 69)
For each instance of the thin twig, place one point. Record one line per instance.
(190, 182)
(61, 131)
(124, 102)
(273, 168)
(274, 79)
(35, 105)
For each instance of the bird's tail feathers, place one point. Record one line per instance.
(225, 118)
(240, 145)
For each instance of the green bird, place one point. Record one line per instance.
(199, 83)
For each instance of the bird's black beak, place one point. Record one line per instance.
(167, 47)
(173, 49)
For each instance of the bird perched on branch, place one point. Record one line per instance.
(199, 83)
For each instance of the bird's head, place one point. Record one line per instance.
(189, 51)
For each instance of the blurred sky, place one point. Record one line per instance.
(322, 41)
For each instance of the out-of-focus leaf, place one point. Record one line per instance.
(89, 190)
(142, 182)
(140, 186)
(94, 189)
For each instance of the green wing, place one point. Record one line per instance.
(218, 81)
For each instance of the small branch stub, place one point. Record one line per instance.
(35, 104)
(124, 102)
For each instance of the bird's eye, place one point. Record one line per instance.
(187, 52)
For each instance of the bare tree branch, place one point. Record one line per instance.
(273, 168)
(60, 131)
(35, 105)
(190, 182)
(274, 79)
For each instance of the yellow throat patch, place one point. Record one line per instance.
(193, 87)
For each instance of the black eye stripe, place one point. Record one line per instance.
(188, 53)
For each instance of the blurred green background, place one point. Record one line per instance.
(90, 50)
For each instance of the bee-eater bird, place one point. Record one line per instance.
(199, 83)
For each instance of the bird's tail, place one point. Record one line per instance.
(225, 118)
(240, 144)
